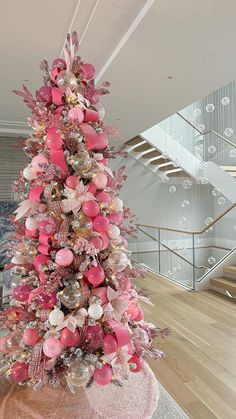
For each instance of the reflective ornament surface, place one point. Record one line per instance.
(82, 225)
(79, 373)
(228, 132)
(71, 297)
(172, 189)
(185, 204)
(65, 79)
(210, 107)
(211, 260)
(225, 101)
(187, 183)
(221, 200)
(81, 162)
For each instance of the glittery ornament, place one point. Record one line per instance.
(71, 297)
(79, 373)
(81, 162)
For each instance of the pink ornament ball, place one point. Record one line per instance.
(39, 261)
(140, 316)
(31, 336)
(109, 344)
(133, 310)
(103, 376)
(44, 94)
(46, 228)
(19, 372)
(105, 239)
(59, 62)
(97, 242)
(101, 292)
(95, 275)
(64, 257)
(37, 160)
(87, 71)
(138, 361)
(72, 181)
(90, 208)
(100, 223)
(21, 293)
(3, 348)
(100, 180)
(75, 115)
(116, 218)
(69, 338)
(92, 188)
(103, 197)
(52, 347)
(47, 301)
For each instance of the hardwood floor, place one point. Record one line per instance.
(199, 370)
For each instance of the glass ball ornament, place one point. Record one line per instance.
(138, 361)
(56, 317)
(197, 112)
(178, 267)
(101, 223)
(47, 301)
(185, 203)
(211, 260)
(228, 132)
(221, 200)
(216, 191)
(71, 297)
(182, 220)
(165, 179)
(172, 189)
(79, 373)
(66, 79)
(31, 336)
(12, 343)
(204, 181)
(208, 220)
(113, 232)
(90, 208)
(81, 162)
(31, 223)
(210, 107)
(118, 261)
(201, 127)
(99, 180)
(225, 101)
(187, 183)
(116, 204)
(232, 153)
(95, 275)
(95, 311)
(211, 149)
(82, 226)
(101, 111)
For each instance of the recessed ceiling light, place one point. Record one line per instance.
(170, 77)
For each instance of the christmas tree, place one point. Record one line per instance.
(75, 316)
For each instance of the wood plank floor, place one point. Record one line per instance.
(199, 370)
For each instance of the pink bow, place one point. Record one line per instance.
(75, 198)
(116, 306)
(119, 361)
(28, 205)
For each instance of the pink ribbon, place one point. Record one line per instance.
(121, 332)
(57, 157)
(35, 193)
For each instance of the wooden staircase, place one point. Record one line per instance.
(226, 284)
(152, 158)
(231, 170)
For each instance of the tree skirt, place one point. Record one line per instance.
(137, 399)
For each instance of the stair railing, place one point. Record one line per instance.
(192, 233)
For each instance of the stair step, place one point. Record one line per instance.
(230, 269)
(134, 141)
(151, 154)
(225, 284)
(143, 147)
(229, 168)
(233, 174)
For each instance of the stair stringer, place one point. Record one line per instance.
(220, 179)
(217, 270)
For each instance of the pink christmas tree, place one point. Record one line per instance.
(75, 316)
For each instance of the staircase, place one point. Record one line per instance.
(231, 170)
(226, 284)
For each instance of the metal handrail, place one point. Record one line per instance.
(211, 131)
(173, 251)
(203, 230)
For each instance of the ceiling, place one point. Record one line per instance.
(160, 55)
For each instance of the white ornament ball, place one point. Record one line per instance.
(29, 173)
(117, 204)
(31, 223)
(95, 311)
(56, 317)
(113, 232)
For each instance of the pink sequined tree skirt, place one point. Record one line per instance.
(137, 399)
